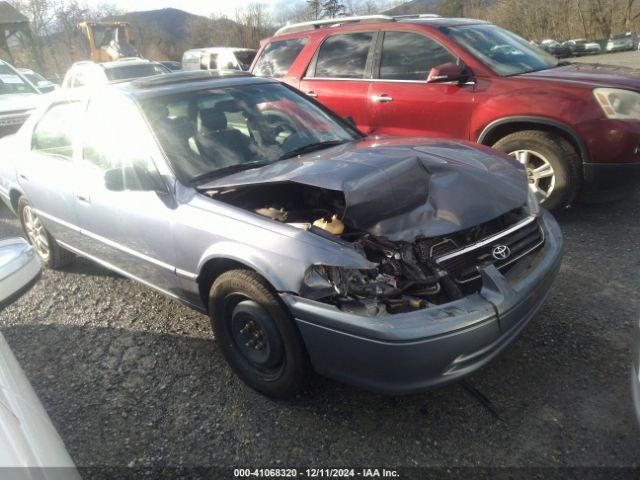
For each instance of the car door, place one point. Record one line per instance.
(126, 226)
(338, 75)
(47, 170)
(401, 102)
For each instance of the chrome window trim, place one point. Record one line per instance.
(488, 240)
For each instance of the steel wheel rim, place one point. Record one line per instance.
(540, 173)
(269, 373)
(36, 233)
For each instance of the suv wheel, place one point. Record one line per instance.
(256, 334)
(51, 254)
(552, 165)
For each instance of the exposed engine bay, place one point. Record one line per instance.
(409, 275)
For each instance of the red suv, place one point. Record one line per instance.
(575, 127)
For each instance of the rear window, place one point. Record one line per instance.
(12, 82)
(277, 57)
(134, 71)
(344, 56)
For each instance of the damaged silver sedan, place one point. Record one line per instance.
(394, 264)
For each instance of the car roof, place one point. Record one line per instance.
(181, 82)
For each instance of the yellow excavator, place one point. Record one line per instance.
(109, 41)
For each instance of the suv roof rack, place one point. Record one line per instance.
(183, 77)
(334, 22)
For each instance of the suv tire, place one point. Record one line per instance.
(50, 253)
(550, 155)
(257, 335)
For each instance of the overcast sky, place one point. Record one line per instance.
(199, 7)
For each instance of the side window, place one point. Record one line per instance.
(116, 137)
(53, 134)
(276, 59)
(344, 56)
(410, 56)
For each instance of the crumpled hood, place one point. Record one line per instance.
(403, 188)
(593, 75)
(18, 102)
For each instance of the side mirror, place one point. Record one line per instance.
(134, 178)
(20, 268)
(446, 73)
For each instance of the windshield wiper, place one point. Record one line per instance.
(312, 147)
(224, 171)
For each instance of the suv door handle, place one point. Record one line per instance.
(384, 98)
(23, 177)
(83, 198)
(312, 94)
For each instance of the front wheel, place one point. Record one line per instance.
(551, 163)
(257, 335)
(50, 253)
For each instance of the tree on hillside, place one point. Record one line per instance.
(315, 8)
(332, 8)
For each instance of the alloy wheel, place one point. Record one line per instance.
(36, 232)
(540, 173)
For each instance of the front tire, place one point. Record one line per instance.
(50, 253)
(257, 335)
(552, 165)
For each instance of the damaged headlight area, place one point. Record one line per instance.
(407, 275)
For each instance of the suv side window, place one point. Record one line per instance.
(53, 135)
(411, 56)
(277, 57)
(344, 56)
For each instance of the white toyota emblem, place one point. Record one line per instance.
(501, 252)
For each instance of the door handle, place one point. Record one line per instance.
(312, 94)
(384, 98)
(23, 177)
(83, 198)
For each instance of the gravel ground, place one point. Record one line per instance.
(132, 378)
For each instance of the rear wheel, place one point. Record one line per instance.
(257, 335)
(50, 253)
(551, 163)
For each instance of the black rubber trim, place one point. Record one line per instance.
(584, 153)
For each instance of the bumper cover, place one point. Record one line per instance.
(606, 182)
(420, 350)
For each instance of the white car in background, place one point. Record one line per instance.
(18, 98)
(30, 447)
(38, 81)
(91, 73)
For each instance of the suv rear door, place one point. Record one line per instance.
(338, 75)
(401, 102)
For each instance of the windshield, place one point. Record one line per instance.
(227, 129)
(245, 58)
(502, 51)
(135, 71)
(12, 82)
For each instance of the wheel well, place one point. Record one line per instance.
(14, 196)
(212, 270)
(500, 131)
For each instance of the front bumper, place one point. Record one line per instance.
(423, 349)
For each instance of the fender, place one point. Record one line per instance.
(582, 147)
(284, 279)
